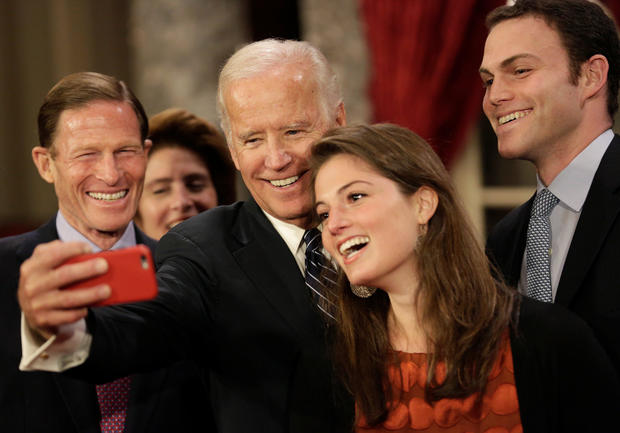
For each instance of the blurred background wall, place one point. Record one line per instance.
(412, 62)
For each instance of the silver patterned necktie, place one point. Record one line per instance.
(319, 276)
(538, 247)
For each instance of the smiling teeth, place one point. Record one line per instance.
(346, 249)
(284, 182)
(108, 197)
(512, 116)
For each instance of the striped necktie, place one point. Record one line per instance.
(320, 276)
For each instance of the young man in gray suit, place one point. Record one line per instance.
(551, 69)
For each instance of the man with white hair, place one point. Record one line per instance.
(231, 280)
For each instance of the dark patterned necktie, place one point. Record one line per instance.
(113, 398)
(538, 247)
(320, 276)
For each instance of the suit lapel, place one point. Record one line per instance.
(144, 394)
(600, 210)
(282, 284)
(517, 247)
(506, 244)
(46, 233)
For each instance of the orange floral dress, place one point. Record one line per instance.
(497, 413)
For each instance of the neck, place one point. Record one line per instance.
(105, 240)
(406, 332)
(560, 156)
(305, 222)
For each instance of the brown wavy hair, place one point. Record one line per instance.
(464, 310)
(176, 127)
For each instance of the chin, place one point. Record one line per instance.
(112, 226)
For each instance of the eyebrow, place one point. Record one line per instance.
(157, 181)
(247, 135)
(295, 125)
(342, 188)
(509, 61)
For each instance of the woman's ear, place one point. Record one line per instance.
(426, 199)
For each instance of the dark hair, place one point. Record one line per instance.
(465, 312)
(78, 90)
(584, 29)
(176, 127)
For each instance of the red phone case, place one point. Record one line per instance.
(130, 275)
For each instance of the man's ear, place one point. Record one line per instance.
(42, 158)
(147, 147)
(341, 115)
(233, 154)
(426, 200)
(594, 76)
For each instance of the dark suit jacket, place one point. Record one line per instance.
(565, 382)
(231, 296)
(590, 281)
(164, 400)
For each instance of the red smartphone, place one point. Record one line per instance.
(130, 275)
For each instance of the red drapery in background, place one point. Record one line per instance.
(425, 56)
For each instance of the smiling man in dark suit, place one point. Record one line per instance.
(551, 70)
(232, 293)
(93, 150)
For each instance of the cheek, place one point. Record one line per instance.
(152, 210)
(328, 244)
(205, 200)
(136, 168)
(248, 159)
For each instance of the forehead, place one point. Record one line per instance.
(529, 35)
(168, 157)
(342, 169)
(97, 122)
(282, 95)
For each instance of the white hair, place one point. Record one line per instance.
(261, 56)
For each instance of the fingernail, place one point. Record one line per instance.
(101, 265)
(105, 291)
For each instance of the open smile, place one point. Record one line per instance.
(283, 183)
(353, 246)
(512, 116)
(108, 196)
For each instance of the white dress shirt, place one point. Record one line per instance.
(292, 236)
(571, 187)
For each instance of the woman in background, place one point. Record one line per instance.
(189, 170)
(426, 338)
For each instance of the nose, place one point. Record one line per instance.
(277, 157)
(498, 92)
(337, 221)
(108, 170)
(181, 199)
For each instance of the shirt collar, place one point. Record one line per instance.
(291, 233)
(572, 184)
(67, 233)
